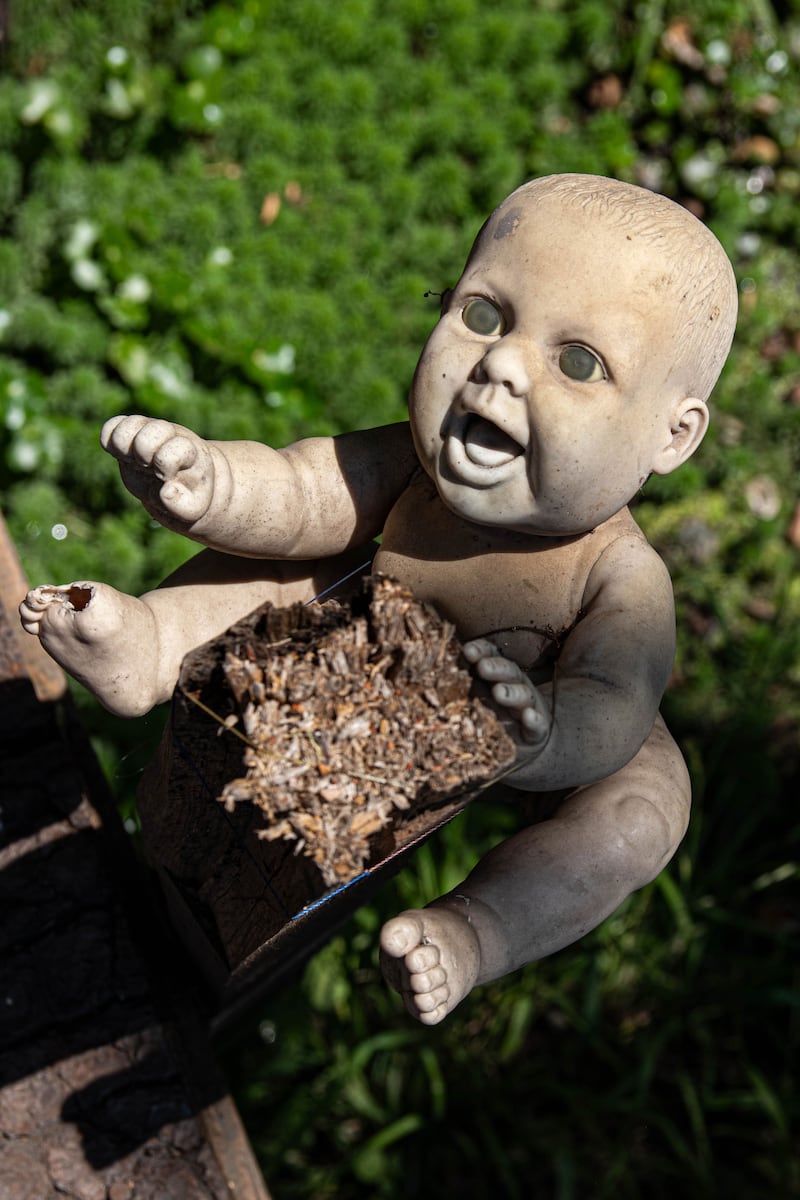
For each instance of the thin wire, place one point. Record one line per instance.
(335, 585)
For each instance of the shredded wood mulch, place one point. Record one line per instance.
(356, 717)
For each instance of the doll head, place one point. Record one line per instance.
(573, 357)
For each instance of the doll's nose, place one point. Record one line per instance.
(504, 364)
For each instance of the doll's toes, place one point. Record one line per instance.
(428, 1003)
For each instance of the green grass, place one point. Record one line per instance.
(229, 214)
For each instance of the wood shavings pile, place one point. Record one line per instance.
(356, 724)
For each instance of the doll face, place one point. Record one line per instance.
(548, 390)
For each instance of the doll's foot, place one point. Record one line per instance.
(431, 956)
(97, 634)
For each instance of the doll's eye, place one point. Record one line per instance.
(481, 316)
(580, 364)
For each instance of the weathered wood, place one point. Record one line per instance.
(349, 731)
(23, 657)
(108, 1087)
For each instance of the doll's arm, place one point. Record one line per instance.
(608, 682)
(312, 499)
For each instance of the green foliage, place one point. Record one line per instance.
(228, 214)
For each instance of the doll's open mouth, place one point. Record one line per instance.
(486, 445)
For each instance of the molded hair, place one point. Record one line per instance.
(696, 268)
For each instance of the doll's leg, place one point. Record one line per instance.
(128, 651)
(544, 887)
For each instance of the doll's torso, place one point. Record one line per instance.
(523, 592)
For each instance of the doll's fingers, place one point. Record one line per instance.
(535, 725)
(175, 497)
(500, 670)
(36, 601)
(119, 433)
(109, 427)
(173, 456)
(479, 648)
(185, 503)
(150, 439)
(529, 710)
(30, 613)
(40, 598)
(512, 695)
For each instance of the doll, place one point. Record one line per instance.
(572, 359)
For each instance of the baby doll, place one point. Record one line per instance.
(573, 358)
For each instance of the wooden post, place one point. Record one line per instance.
(108, 1086)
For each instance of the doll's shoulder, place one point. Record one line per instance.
(623, 562)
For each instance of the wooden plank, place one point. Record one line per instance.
(23, 654)
(108, 1086)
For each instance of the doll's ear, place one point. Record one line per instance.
(687, 429)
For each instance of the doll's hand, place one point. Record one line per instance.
(514, 692)
(169, 468)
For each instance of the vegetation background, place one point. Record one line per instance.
(229, 214)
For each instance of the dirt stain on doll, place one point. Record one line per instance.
(508, 224)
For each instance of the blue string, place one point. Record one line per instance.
(333, 586)
(329, 895)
